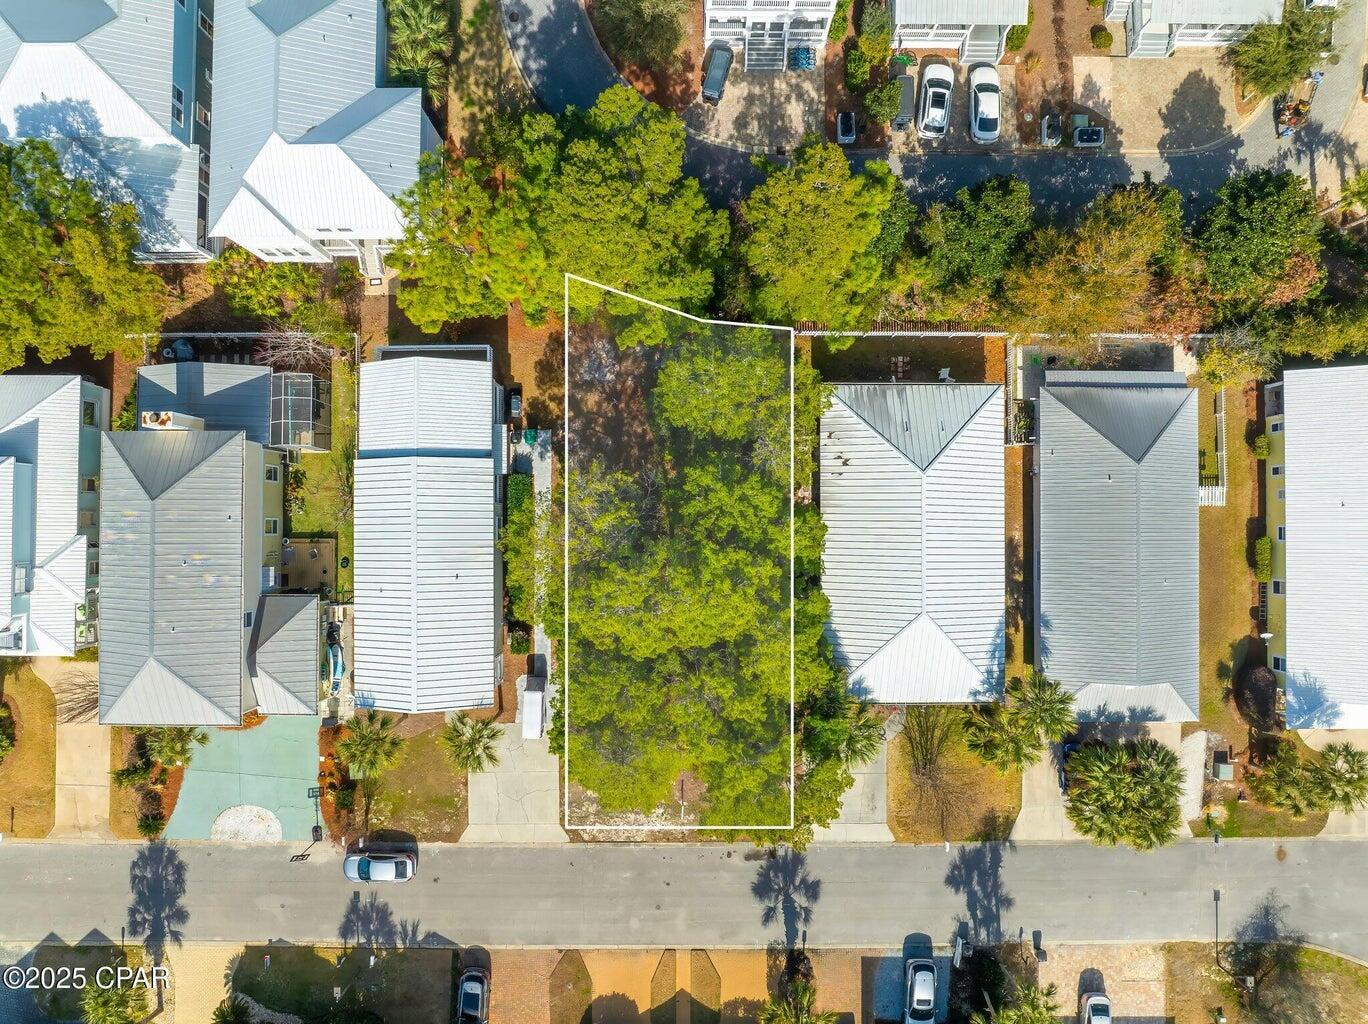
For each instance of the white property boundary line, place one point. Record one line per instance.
(565, 497)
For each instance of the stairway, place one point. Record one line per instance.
(765, 46)
(984, 43)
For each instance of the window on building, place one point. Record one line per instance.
(206, 26)
(88, 414)
(1276, 428)
(178, 105)
(1277, 586)
(1282, 494)
(92, 568)
(87, 518)
(1279, 663)
(180, 4)
(202, 114)
(1276, 471)
(273, 474)
(90, 484)
(272, 527)
(1282, 533)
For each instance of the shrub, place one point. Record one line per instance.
(258, 289)
(856, 70)
(520, 638)
(1016, 35)
(127, 417)
(1126, 793)
(345, 798)
(876, 23)
(1031, 62)
(1096, 3)
(6, 732)
(1101, 37)
(151, 825)
(1263, 559)
(645, 32)
(1261, 446)
(840, 21)
(882, 102)
(132, 775)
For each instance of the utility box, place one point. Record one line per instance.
(907, 98)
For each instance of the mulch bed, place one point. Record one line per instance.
(675, 85)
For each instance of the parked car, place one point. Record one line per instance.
(472, 997)
(716, 66)
(380, 867)
(937, 90)
(1065, 752)
(899, 71)
(515, 402)
(985, 104)
(845, 127)
(1094, 1008)
(920, 1005)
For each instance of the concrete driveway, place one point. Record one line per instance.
(1042, 817)
(957, 138)
(519, 800)
(1354, 825)
(83, 749)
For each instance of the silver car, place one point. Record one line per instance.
(380, 867)
(920, 1004)
(933, 112)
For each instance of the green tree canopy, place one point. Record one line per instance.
(646, 32)
(1126, 793)
(600, 193)
(969, 244)
(172, 746)
(808, 239)
(470, 743)
(1274, 55)
(1259, 226)
(70, 278)
(113, 1005)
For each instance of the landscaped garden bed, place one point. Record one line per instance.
(64, 1003)
(143, 792)
(318, 488)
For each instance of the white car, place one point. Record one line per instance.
(380, 867)
(933, 112)
(920, 1004)
(985, 104)
(1094, 1008)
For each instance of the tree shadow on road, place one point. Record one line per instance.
(156, 915)
(787, 893)
(976, 874)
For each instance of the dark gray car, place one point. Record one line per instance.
(716, 66)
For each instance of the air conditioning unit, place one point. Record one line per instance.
(169, 421)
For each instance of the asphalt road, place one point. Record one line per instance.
(692, 895)
(564, 64)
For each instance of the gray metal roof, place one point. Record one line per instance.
(226, 396)
(960, 12)
(172, 637)
(1325, 413)
(284, 659)
(1117, 608)
(1216, 12)
(912, 495)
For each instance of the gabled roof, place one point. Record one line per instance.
(1216, 12)
(960, 12)
(40, 428)
(1117, 603)
(1325, 411)
(426, 571)
(226, 396)
(172, 578)
(302, 126)
(284, 659)
(912, 495)
(94, 78)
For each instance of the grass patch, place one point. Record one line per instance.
(1250, 820)
(983, 808)
(65, 1003)
(413, 985)
(28, 774)
(125, 802)
(571, 990)
(1323, 987)
(1226, 581)
(318, 501)
(423, 794)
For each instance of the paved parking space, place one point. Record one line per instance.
(762, 111)
(1132, 976)
(957, 139)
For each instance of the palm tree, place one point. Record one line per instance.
(1046, 707)
(1341, 777)
(472, 744)
(1030, 1004)
(795, 1007)
(1001, 737)
(113, 1005)
(420, 37)
(1126, 793)
(1287, 782)
(172, 746)
(233, 1010)
(865, 737)
(369, 749)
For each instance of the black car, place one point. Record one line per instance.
(472, 997)
(515, 402)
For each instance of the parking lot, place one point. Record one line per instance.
(957, 138)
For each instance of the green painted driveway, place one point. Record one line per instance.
(270, 766)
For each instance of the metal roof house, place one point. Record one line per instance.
(120, 89)
(309, 150)
(1317, 515)
(289, 411)
(1116, 605)
(977, 29)
(1155, 28)
(427, 577)
(49, 507)
(765, 30)
(187, 635)
(912, 495)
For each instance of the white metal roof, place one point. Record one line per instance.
(301, 126)
(960, 12)
(1216, 12)
(912, 497)
(95, 79)
(40, 427)
(1325, 412)
(425, 576)
(1117, 609)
